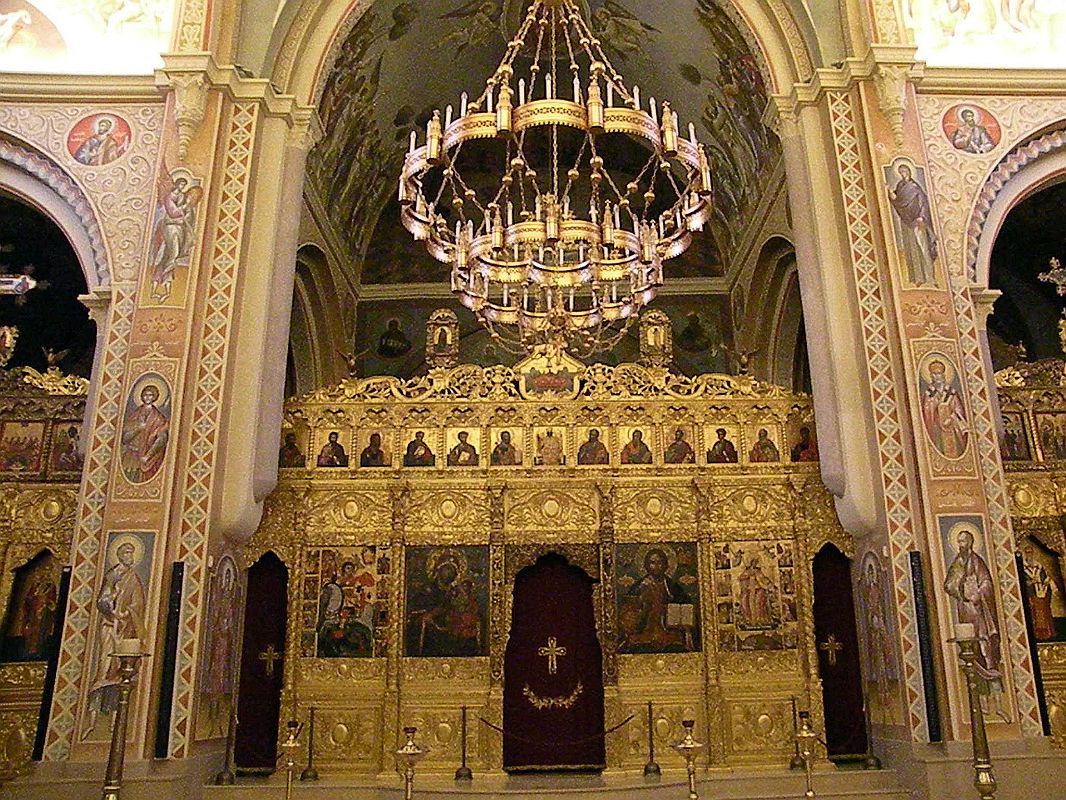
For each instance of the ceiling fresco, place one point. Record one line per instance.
(403, 58)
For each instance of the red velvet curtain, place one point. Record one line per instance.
(553, 672)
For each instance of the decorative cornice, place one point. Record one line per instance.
(972, 82)
(599, 381)
(110, 89)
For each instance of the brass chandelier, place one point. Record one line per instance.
(560, 249)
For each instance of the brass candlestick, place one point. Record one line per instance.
(689, 749)
(651, 769)
(227, 777)
(796, 762)
(464, 772)
(310, 773)
(984, 779)
(127, 651)
(806, 736)
(289, 748)
(409, 755)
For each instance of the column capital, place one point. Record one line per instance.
(98, 301)
(982, 299)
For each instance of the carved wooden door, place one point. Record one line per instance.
(262, 666)
(553, 672)
(838, 654)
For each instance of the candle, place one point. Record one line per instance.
(965, 630)
(128, 647)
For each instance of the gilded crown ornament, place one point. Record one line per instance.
(589, 192)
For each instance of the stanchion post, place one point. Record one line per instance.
(689, 749)
(984, 777)
(651, 769)
(128, 652)
(464, 773)
(227, 777)
(409, 755)
(871, 761)
(310, 773)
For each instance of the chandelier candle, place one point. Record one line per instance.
(588, 194)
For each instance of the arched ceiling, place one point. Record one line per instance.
(403, 58)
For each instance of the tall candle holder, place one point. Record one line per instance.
(128, 652)
(689, 749)
(806, 736)
(651, 769)
(289, 748)
(227, 777)
(310, 773)
(407, 756)
(984, 777)
(463, 773)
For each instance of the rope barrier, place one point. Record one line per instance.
(582, 740)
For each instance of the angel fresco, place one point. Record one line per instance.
(478, 20)
(620, 31)
(173, 229)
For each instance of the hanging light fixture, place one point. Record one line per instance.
(565, 243)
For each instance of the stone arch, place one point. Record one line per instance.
(315, 322)
(1034, 165)
(308, 35)
(40, 182)
(774, 313)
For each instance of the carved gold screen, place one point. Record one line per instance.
(490, 468)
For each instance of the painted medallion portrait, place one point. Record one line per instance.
(943, 413)
(447, 601)
(98, 139)
(657, 591)
(970, 128)
(145, 428)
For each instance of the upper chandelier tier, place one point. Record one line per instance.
(589, 193)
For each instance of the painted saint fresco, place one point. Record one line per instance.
(722, 447)
(1051, 429)
(551, 447)
(657, 591)
(763, 448)
(755, 590)
(880, 666)
(1014, 446)
(635, 450)
(912, 221)
(507, 450)
(344, 601)
(943, 413)
(419, 450)
(145, 428)
(1045, 590)
(21, 444)
(332, 453)
(968, 581)
(219, 667)
(66, 448)
(173, 233)
(290, 454)
(804, 447)
(971, 129)
(121, 615)
(462, 451)
(99, 139)
(31, 611)
(592, 450)
(447, 601)
(377, 452)
(680, 450)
